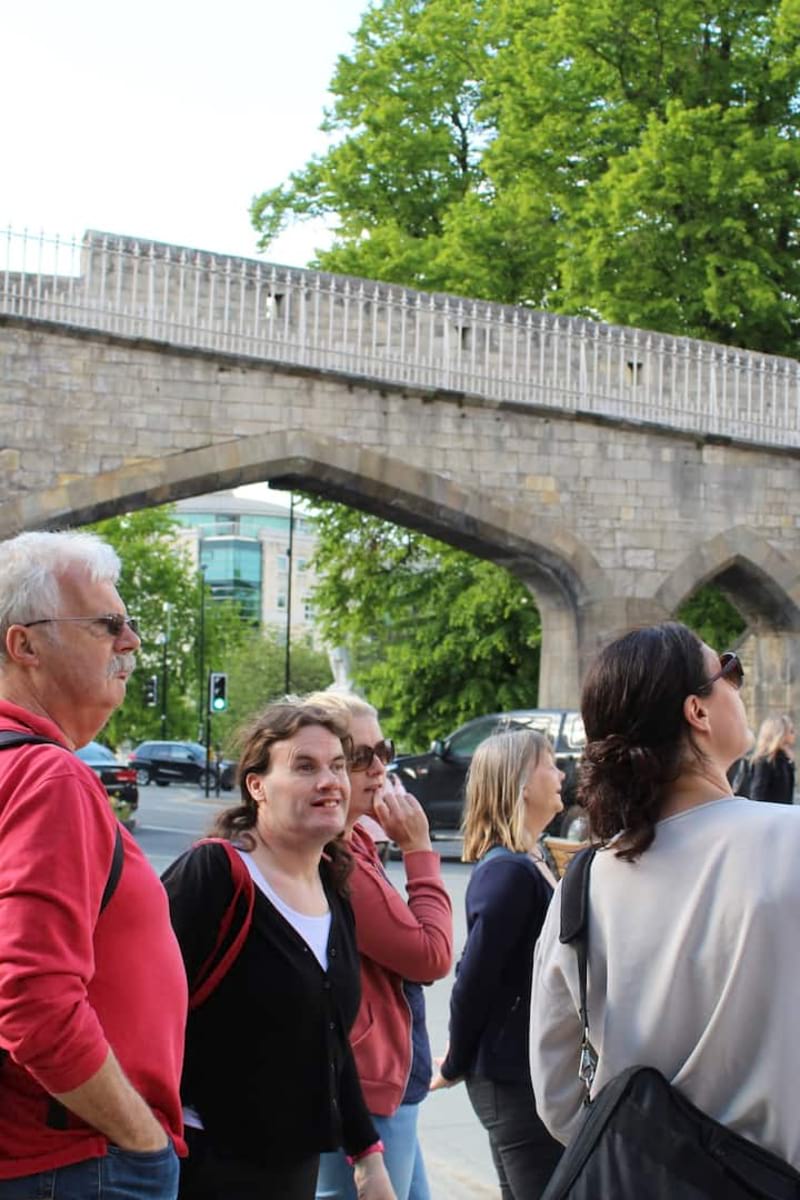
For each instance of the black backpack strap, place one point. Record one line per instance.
(15, 737)
(115, 871)
(575, 932)
(57, 1115)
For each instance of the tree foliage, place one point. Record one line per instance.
(163, 590)
(713, 618)
(639, 164)
(256, 676)
(435, 635)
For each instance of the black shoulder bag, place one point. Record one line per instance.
(640, 1138)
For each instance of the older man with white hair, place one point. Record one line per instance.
(92, 986)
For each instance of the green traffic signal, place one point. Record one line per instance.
(218, 692)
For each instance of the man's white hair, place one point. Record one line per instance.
(30, 567)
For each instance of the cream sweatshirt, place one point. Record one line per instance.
(694, 968)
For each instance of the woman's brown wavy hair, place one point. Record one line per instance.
(637, 737)
(277, 723)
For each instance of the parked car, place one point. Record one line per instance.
(117, 778)
(172, 762)
(437, 777)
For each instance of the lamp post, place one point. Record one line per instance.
(287, 669)
(202, 651)
(164, 671)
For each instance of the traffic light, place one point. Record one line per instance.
(217, 692)
(151, 691)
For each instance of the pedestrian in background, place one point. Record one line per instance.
(513, 792)
(772, 767)
(694, 902)
(92, 987)
(402, 946)
(269, 1080)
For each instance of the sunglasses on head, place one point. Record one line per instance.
(360, 757)
(112, 623)
(730, 668)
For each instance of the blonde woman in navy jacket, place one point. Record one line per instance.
(513, 792)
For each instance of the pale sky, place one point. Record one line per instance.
(163, 119)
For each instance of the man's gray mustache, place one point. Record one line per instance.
(122, 662)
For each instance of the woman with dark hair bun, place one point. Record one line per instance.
(694, 902)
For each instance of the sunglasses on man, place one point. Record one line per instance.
(360, 757)
(112, 623)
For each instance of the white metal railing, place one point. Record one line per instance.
(392, 334)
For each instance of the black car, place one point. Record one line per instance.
(117, 778)
(172, 762)
(437, 777)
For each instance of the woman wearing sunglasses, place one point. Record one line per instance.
(402, 946)
(694, 902)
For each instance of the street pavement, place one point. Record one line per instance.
(456, 1148)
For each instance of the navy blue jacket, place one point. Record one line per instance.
(506, 903)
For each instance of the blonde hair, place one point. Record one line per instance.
(494, 814)
(770, 736)
(341, 704)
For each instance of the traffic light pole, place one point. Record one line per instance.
(206, 787)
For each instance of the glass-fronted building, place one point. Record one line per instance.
(242, 544)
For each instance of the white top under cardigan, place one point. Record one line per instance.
(694, 968)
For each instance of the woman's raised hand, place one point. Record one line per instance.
(402, 816)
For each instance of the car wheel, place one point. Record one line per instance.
(575, 823)
(142, 776)
(206, 779)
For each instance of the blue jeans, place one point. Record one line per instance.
(402, 1156)
(119, 1175)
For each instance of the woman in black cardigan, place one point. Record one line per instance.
(269, 1079)
(773, 762)
(513, 792)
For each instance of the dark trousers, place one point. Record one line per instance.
(208, 1175)
(524, 1153)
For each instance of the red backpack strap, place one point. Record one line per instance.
(230, 936)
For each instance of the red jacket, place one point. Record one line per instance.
(396, 941)
(74, 983)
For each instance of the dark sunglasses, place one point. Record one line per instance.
(730, 668)
(360, 757)
(113, 623)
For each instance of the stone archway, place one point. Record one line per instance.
(559, 570)
(764, 586)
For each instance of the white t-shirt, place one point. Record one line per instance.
(313, 930)
(693, 969)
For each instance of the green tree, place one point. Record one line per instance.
(640, 165)
(713, 618)
(436, 636)
(636, 164)
(256, 676)
(162, 589)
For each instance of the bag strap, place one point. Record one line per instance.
(230, 939)
(13, 737)
(57, 1115)
(575, 933)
